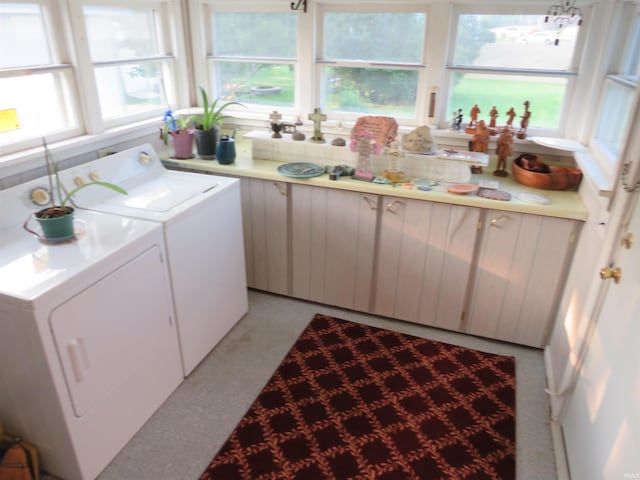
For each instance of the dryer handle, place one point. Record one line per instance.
(79, 359)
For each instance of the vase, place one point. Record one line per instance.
(206, 143)
(182, 145)
(226, 150)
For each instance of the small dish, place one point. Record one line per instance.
(462, 188)
(301, 170)
(533, 198)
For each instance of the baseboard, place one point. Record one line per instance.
(557, 438)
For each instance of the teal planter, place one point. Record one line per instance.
(56, 228)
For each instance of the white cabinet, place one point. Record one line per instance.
(424, 261)
(333, 239)
(265, 223)
(519, 276)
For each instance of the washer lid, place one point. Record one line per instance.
(30, 267)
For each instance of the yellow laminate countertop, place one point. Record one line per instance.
(562, 204)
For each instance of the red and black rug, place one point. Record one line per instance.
(351, 401)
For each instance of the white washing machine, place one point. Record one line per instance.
(202, 219)
(88, 338)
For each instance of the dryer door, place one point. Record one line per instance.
(116, 332)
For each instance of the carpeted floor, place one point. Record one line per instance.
(356, 401)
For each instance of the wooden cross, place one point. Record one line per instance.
(317, 117)
(275, 117)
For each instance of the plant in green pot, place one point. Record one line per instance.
(178, 128)
(207, 125)
(56, 218)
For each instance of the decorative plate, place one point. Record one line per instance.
(300, 170)
(494, 194)
(533, 198)
(462, 188)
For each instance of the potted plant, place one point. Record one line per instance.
(181, 135)
(207, 125)
(56, 219)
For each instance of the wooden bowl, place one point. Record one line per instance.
(549, 178)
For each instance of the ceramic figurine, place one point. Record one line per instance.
(276, 125)
(510, 115)
(504, 148)
(457, 120)
(317, 117)
(524, 123)
(473, 124)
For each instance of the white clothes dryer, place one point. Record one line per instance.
(88, 338)
(202, 219)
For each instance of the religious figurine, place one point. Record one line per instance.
(365, 147)
(480, 143)
(317, 117)
(457, 120)
(510, 115)
(493, 114)
(524, 123)
(504, 148)
(473, 123)
(394, 174)
(276, 125)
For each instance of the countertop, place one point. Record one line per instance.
(562, 204)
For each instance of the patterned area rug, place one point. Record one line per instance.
(350, 401)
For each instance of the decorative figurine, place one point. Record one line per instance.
(493, 114)
(524, 123)
(504, 148)
(457, 120)
(510, 115)
(317, 117)
(480, 143)
(365, 147)
(473, 124)
(276, 125)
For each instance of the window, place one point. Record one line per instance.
(619, 91)
(253, 53)
(371, 61)
(504, 60)
(35, 88)
(130, 69)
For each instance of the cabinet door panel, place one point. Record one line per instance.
(519, 276)
(264, 206)
(424, 260)
(333, 238)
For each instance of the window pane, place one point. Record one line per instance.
(632, 60)
(258, 83)
(513, 41)
(545, 96)
(257, 35)
(15, 21)
(374, 37)
(120, 33)
(371, 90)
(614, 116)
(130, 88)
(47, 112)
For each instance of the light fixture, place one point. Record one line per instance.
(564, 14)
(300, 5)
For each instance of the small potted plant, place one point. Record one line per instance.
(56, 219)
(181, 135)
(207, 125)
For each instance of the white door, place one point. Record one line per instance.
(601, 424)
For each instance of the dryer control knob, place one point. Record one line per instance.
(144, 158)
(94, 176)
(78, 181)
(40, 196)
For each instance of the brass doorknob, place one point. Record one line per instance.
(607, 273)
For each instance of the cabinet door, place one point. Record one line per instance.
(264, 217)
(424, 261)
(520, 272)
(333, 239)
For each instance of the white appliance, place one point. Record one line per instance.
(202, 219)
(88, 339)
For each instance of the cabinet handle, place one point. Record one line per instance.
(371, 203)
(392, 204)
(607, 273)
(496, 221)
(279, 188)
